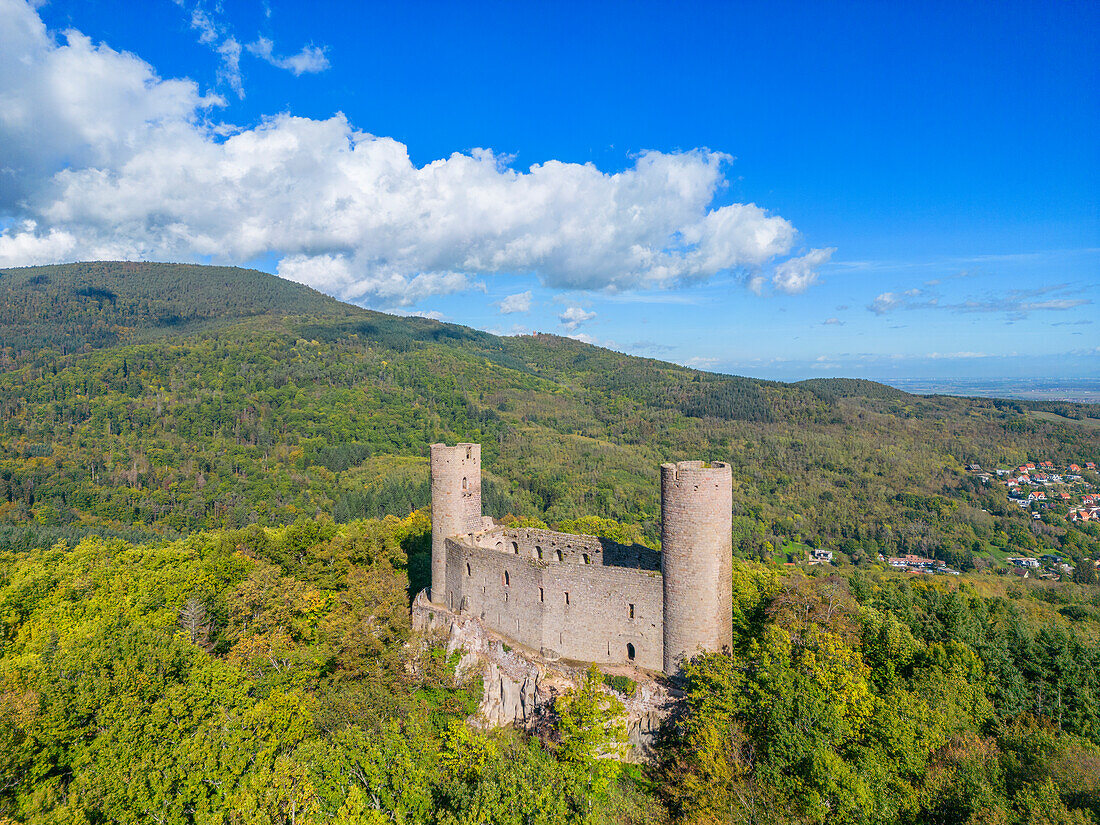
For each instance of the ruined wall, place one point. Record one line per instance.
(456, 502)
(499, 577)
(696, 558)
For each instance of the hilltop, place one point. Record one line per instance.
(211, 525)
(210, 396)
(71, 306)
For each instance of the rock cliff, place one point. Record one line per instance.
(520, 685)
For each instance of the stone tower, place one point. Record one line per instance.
(456, 503)
(696, 559)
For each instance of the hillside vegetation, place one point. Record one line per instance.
(212, 486)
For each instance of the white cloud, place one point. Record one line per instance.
(795, 275)
(1015, 303)
(309, 60)
(886, 302)
(431, 314)
(701, 361)
(573, 317)
(520, 302)
(833, 322)
(100, 157)
(215, 35)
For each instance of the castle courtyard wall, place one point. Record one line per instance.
(499, 577)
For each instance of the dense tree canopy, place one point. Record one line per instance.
(211, 525)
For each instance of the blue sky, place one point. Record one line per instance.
(926, 176)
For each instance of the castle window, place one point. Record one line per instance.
(538, 552)
(469, 453)
(587, 558)
(515, 547)
(465, 484)
(630, 651)
(542, 595)
(468, 573)
(559, 554)
(632, 611)
(506, 579)
(567, 597)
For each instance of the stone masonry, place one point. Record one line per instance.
(582, 598)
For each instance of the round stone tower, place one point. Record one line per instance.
(696, 559)
(456, 504)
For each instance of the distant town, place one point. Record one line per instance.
(1038, 487)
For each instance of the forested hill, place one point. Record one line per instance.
(70, 306)
(212, 493)
(164, 396)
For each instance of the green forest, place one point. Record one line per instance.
(213, 493)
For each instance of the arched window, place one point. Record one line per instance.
(559, 554)
(538, 551)
(515, 547)
(465, 483)
(507, 581)
(500, 547)
(630, 651)
(587, 558)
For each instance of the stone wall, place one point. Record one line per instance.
(696, 558)
(456, 502)
(519, 688)
(577, 597)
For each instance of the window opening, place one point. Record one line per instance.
(464, 484)
(507, 581)
(587, 558)
(468, 573)
(630, 652)
(632, 611)
(538, 552)
(469, 452)
(542, 595)
(559, 554)
(515, 547)
(567, 597)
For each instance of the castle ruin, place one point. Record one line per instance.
(584, 598)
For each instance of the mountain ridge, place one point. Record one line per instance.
(95, 304)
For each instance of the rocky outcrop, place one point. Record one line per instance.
(520, 685)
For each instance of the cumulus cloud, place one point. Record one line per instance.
(831, 322)
(102, 158)
(309, 60)
(520, 302)
(573, 317)
(795, 275)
